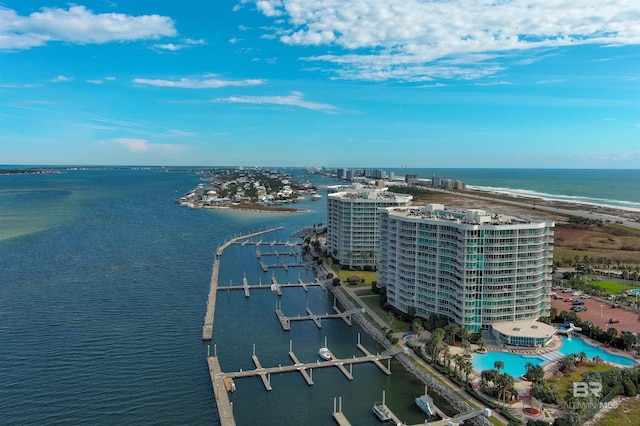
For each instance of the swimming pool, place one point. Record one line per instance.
(636, 291)
(577, 345)
(514, 364)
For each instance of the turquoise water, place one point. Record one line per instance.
(636, 291)
(575, 345)
(514, 364)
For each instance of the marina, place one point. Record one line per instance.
(207, 329)
(223, 383)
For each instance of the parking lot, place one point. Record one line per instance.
(599, 312)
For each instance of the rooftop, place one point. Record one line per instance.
(524, 328)
(469, 216)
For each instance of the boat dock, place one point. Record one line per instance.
(207, 329)
(285, 266)
(276, 253)
(305, 369)
(225, 409)
(285, 321)
(275, 286)
(265, 243)
(445, 420)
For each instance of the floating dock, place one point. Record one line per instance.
(305, 369)
(285, 321)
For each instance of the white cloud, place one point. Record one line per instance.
(61, 78)
(95, 81)
(77, 25)
(189, 42)
(143, 145)
(409, 39)
(134, 145)
(295, 99)
(208, 81)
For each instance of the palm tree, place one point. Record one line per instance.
(451, 330)
(504, 384)
(463, 333)
(436, 343)
(446, 355)
(466, 345)
(467, 368)
(498, 365)
(482, 342)
(582, 357)
(458, 361)
(534, 374)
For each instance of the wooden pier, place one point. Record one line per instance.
(225, 409)
(305, 369)
(264, 243)
(285, 321)
(285, 266)
(207, 329)
(276, 253)
(246, 287)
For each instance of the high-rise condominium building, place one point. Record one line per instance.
(352, 222)
(474, 267)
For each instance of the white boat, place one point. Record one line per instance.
(324, 354)
(425, 402)
(316, 197)
(381, 411)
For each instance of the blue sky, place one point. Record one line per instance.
(360, 83)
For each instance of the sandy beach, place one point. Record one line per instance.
(540, 208)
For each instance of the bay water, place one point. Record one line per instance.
(103, 289)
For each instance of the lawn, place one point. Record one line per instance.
(368, 276)
(373, 305)
(611, 287)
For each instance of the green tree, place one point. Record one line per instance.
(534, 374)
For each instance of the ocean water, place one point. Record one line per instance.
(619, 188)
(103, 290)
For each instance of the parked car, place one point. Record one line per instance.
(614, 320)
(578, 302)
(615, 305)
(568, 299)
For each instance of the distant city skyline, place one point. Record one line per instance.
(357, 84)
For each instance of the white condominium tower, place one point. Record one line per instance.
(474, 267)
(352, 222)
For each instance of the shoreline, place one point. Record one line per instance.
(515, 193)
(607, 214)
